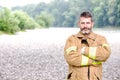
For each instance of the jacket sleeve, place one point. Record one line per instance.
(72, 55)
(101, 52)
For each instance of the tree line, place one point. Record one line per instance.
(60, 13)
(66, 12)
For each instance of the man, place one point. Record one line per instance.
(86, 51)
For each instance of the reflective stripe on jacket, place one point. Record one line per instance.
(86, 66)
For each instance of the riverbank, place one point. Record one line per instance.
(38, 55)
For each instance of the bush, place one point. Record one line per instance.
(45, 19)
(26, 22)
(8, 23)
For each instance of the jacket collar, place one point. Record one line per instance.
(91, 35)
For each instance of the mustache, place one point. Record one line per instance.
(86, 28)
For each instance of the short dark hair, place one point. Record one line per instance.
(86, 15)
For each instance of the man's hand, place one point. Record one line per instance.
(82, 50)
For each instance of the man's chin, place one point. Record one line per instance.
(85, 32)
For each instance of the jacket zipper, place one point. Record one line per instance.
(88, 72)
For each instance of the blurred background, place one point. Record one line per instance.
(16, 15)
(33, 34)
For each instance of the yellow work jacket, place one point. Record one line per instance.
(86, 65)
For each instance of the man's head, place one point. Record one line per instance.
(85, 23)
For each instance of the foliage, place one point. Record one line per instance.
(8, 22)
(25, 22)
(45, 19)
(75, 7)
(60, 13)
(106, 12)
(58, 8)
(14, 21)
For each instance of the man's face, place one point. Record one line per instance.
(85, 25)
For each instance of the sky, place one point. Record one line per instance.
(13, 3)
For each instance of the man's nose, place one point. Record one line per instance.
(85, 25)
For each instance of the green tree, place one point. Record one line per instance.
(8, 22)
(74, 10)
(45, 19)
(114, 12)
(25, 21)
(106, 12)
(66, 12)
(57, 9)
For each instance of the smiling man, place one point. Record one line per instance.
(86, 23)
(86, 51)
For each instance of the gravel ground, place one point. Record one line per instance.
(38, 55)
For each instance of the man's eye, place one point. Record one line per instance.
(82, 23)
(88, 22)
